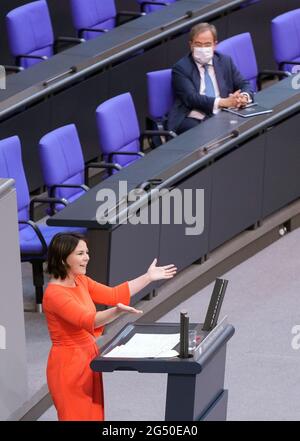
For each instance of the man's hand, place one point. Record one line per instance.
(235, 100)
(230, 101)
(242, 100)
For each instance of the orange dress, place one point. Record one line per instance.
(76, 390)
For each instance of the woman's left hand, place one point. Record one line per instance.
(126, 308)
(161, 272)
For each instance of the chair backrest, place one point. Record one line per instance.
(240, 49)
(30, 31)
(152, 8)
(118, 128)
(62, 160)
(95, 14)
(160, 93)
(286, 38)
(11, 166)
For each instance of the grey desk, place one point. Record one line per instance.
(244, 179)
(29, 109)
(195, 388)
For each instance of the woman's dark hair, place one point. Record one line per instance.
(61, 246)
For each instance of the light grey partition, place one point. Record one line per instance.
(13, 370)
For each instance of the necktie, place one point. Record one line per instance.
(209, 87)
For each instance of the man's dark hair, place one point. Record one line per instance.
(61, 246)
(202, 27)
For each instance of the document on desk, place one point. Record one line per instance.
(251, 110)
(147, 346)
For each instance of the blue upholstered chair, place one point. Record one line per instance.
(30, 34)
(160, 97)
(153, 5)
(286, 40)
(118, 129)
(240, 49)
(34, 239)
(119, 133)
(62, 164)
(92, 18)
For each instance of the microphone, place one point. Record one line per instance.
(233, 134)
(184, 335)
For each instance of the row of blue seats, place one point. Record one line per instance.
(30, 32)
(31, 36)
(61, 155)
(65, 173)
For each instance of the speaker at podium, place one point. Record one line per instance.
(195, 386)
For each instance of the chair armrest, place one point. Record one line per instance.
(81, 31)
(37, 231)
(273, 73)
(13, 68)
(54, 187)
(108, 166)
(50, 201)
(288, 62)
(34, 57)
(130, 14)
(168, 134)
(141, 154)
(74, 40)
(143, 4)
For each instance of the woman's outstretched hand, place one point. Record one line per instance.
(125, 308)
(161, 272)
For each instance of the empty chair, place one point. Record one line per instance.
(34, 239)
(92, 18)
(30, 34)
(62, 164)
(153, 5)
(286, 40)
(240, 49)
(160, 97)
(119, 132)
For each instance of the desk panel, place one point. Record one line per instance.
(282, 165)
(175, 244)
(237, 189)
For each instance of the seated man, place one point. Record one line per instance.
(204, 81)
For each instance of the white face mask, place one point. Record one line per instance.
(203, 55)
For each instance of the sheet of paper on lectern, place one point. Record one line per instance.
(147, 345)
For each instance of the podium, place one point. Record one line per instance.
(195, 386)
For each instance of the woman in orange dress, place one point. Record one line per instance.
(73, 323)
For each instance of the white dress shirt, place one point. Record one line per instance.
(211, 70)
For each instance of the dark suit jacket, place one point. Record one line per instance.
(186, 86)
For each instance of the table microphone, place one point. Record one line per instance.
(233, 134)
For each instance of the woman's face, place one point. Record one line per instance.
(78, 259)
